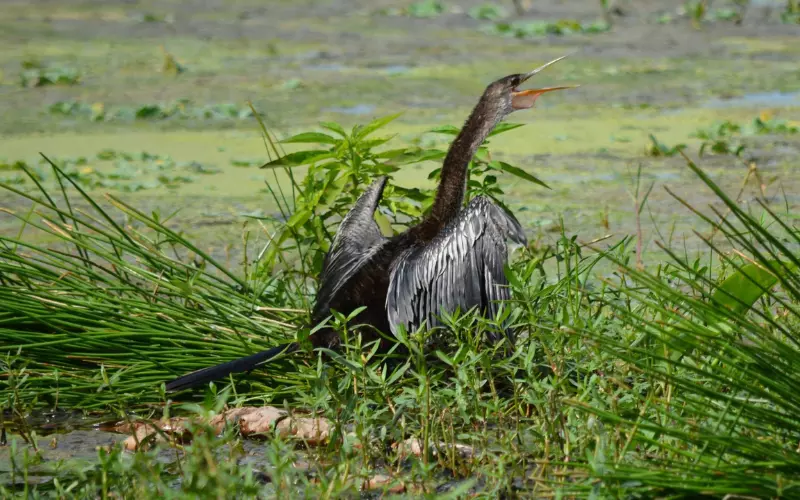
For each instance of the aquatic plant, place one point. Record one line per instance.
(421, 9)
(42, 76)
(182, 109)
(564, 27)
(488, 12)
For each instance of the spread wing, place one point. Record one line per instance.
(462, 267)
(356, 240)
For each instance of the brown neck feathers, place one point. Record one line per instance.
(453, 183)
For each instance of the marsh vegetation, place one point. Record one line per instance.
(657, 304)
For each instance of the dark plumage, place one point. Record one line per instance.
(453, 259)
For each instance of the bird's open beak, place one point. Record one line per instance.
(524, 99)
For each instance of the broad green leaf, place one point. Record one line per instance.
(334, 187)
(338, 358)
(322, 237)
(743, 288)
(412, 194)
(738, 292)
(374, 125)
(445, 129)
(374, 143)
(298, 158)
(511, 276)
(504, 127)
(334, 127)
(398, 373)
(311, 137)
(391, 153)
(511, 169)
(482, 155)
(444, 357)
(417, 156)
(299, 218)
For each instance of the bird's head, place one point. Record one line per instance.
(506, 97)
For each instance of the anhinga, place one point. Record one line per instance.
(453, 259)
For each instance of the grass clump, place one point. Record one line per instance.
(722, 418)
(676, 378)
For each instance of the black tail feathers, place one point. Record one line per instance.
(245, 364)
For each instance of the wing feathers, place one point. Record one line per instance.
(356, 240)
(461, 268)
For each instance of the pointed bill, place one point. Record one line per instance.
(543, 66)
(525, 99)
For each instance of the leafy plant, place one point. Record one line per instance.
(40, 77)
(426, 8)
(340, 166)
(182, 109)
(727, 137)
(700, 11)
(657, 148)
(727, 15)
(154, 17)
(421, 9)
(527, 29)
(791, 13)
(488, 12)
(721, 138)
(767, 125)
(696, 10)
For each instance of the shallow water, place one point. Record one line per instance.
(358, 109)
(756, 100)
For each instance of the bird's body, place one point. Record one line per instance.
(453, 259)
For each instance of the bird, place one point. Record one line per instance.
(453, 259)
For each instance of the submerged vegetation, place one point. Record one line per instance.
(183, 109)
(727, 137)
(526, 29)
(109, 169)
(672, 378)
(38, 76)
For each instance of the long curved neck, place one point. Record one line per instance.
(453, 183)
